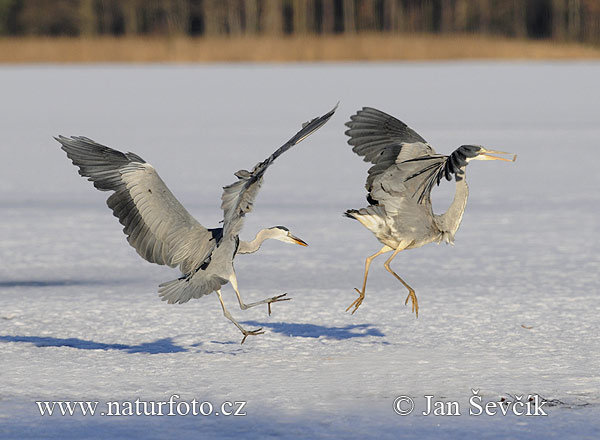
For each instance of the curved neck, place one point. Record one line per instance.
(248, 247)
(449, 222)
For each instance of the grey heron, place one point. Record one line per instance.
(163, 232)
(405, 170)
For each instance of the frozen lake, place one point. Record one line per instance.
(512, 309)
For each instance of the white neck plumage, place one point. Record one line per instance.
(449, 222)
(248, 247)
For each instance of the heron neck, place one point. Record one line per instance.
(449, 222)
(249, 247)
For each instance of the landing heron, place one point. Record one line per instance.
(163, 232)
(405, 170)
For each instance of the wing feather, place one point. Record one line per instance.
(405, 167)
(238, 198)
(159, 228)
(380, 138)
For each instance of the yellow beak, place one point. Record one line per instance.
(488, 155)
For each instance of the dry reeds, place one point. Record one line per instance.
(369, 47)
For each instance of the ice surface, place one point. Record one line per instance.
(80, 318)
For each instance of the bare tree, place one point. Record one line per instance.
(349, 17)
(392, 15)
(592, 21)
(461, 14)
(558, 19)
(87, 22)
(447, 16)
(214, 20)
(234, 17)
(328, 16)
(251, 14)
(273, 17)
(299, 17)
(485, 15)
(366, 15)
(519, 18)
(574, 19)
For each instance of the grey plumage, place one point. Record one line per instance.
(163, 232)
(160, 229)
(399, 184)
(238, 197)
(378, 138)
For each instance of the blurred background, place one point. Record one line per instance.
(296, 30)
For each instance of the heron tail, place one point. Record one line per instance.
(175, 291)
(179, 291)
(194, 285)
(373, 217)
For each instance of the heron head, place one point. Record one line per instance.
(477, 152)
(282, 233)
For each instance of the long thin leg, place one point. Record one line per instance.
(411, 292)
(358, 301)
(245, 332)
(268, 301)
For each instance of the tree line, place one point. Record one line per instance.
(562, 20)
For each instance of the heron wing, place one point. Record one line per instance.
(160, 229)
(379, 138)
(411, 181)
(238, 197)
(423, 172)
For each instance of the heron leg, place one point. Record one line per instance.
(358, 301)
(245, 332)
(411, 293)
(268, 301)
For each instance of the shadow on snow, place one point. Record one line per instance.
(316, 331)
(165, 345)
(47, 283)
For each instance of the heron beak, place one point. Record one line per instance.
(298, 240)
(488, 155)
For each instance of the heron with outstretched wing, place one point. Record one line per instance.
(163, 232)
(405, 170)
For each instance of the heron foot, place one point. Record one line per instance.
(415, 303)
(246, 333)
(357, 302)
(277, 298)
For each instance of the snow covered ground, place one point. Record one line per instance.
(512, 309)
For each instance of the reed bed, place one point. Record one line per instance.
(363, 47)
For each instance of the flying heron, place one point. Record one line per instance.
(405, 170)
(163, 232)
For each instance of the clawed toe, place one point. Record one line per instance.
(277, 298)
(415, 304)
(247, 333)
(357, 302)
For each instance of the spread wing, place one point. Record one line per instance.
(160, 229)
(405, 167)
(379, 138)
(238, 198)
